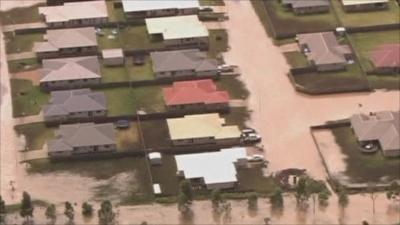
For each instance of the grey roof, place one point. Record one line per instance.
(324, 48)
(381, 126)
(62, 103)
(67, 38)
(191, 59)
(75, 68)
(305, 3)
(82, 135)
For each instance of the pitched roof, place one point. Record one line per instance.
(146, 5)
(67, 38)
(200, 126)
(192, 92)
(190, 59)
(387, 55)
(177, 27)
(324, 48)
(362, 2)
(82, 135)
(70, 101)
(74, 11)
(382, 126)
(305, 3)
(87, 67)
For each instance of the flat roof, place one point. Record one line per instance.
(361, 2)
(112, 53)
(176, 27)
(146, 5)
(213, 167)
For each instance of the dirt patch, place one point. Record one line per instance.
(33, 75)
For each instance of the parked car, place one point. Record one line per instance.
(138, 60)
(122, 124)
(225, 68)
(252, 138)
(256, 158)
(248, 131)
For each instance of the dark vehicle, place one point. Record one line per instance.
(138, 60)
(122, 124)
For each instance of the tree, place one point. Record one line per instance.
(323, 197)
(87, 209)
(252, 201)
(51, 213)
(372, 194)
(106, 214)
(343, 198)
(302, 194)
(216, 199)
(393, 192)
(2, 211)
(276, 199)
(69, 211)
(26, 210)
(186, 188)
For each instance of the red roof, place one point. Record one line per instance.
(387, 55)
(191, 92)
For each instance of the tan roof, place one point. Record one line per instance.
(67, 38)
(362, 2)
(200, 126)
(74, 11)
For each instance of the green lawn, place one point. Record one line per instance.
(366, 42)
(139, 72)
(364, 167)
(115, 15)
(296, 59)
(15, 66)
(235, 88)
(109, 40)
(136, 37)
(128, 139)
(253, 179)
(218, 41)
(20, 15)
(380, 81)
(36, 134)
(238, 116)
(126, 101)
(155, 133)
(360, 19)
(212, 2)
(26, 98)
(21, 42)
(111, 74)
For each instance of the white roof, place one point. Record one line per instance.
(213, 167)
(146, 5)
(177, 27)
(361, 2)
(156, 188)
(112, 53)
(155, 155)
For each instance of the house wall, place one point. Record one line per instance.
(161, 13)
(366, 7)
(331, 67)
(90, 149)
(194, 141)
(78, 23)
(228, 141)
(198, 42)
(207, 73)
(68, 84)
(59, 154)
(311, 10)
(113, 61)
(391, 153)
(198, 107)
(79, 51)
(176, 73)
(225, 185)
(387, 70)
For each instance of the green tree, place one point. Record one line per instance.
(302, 194)
(50, 213)
(106, 214)
(252, 201)
(216, 199)
(276, 199)
(184, 206)
(87, 209)
(69, 211)
(323, 197)
(2, 210)
(26, 210)
(393, 192)
(343, 198)
(186, 188)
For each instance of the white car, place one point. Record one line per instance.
(256, 158)
(248, 131)
(252, 137)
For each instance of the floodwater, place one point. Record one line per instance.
(10, 4)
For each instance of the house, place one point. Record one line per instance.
(324, 51)
(67, 42)
(211, 170)
(159, 8)
(75, 14)
(69, 73)
(60, 2)
(301, 7)
(113, 57)
(364, 5)
(84, 138)
(202, 129)
(199, 95)
(183, 63)
(382, 128)
(178, 31)
(386, 58)
(75, 104)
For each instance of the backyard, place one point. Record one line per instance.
(155, 133)
(128, 139)
(109, 38)
(36, 135)
(136, 37)
(235, 87)
(20, 15)
(296, 59)
(128, 72)
(15, 66)
(218, 42)
(27, 99)
(21, 42)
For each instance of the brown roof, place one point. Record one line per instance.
(387, 55)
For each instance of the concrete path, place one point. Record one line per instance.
(21, 55)
(293, 47)
(26, 156)
(29, 119)
(14, 27)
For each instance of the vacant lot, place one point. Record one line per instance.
(20, 15)
(21, 42)
(27, 99)
(361, 19)
(16, 66)
(36, 135)
(296, 59)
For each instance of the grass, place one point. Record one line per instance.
(15, 66)
(371, 18)
(320, 83)
(136, 37)
(140, 72)
(115, 15)
(296, 59)
(212, 2)
(165, 175)
(218, 42)
(128, 139)
(380, 81)
(21, 42)
(111, 74)
(238, 116)
(126, 101)
(155, 133)
(36, 134)
(253, 179)
(26, 98)
(20, 15)
(364, 167)
(108, 39)
(235, 88)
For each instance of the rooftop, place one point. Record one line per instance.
(200, 126)
(192, 92)
(361, 2)
(112, 53)
(306, 3)
(146, 5)
(177, 27)
(387, 55)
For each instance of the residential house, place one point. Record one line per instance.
(70, 73)
(113, 57)
(386, 58)
(364, 5)
(159, 8)
(199, 95)
(302, 7)
(84, 138)
(67, 42)
(179, 31)
(381, 128)
(75, 104)
(324, 51)
(75, 14)
(60, 2)
(183, 63)
(202, 129)
(211, 170)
